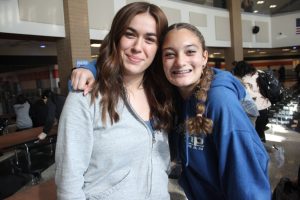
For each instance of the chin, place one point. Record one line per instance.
(180, 84)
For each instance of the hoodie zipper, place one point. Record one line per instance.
(152, 140)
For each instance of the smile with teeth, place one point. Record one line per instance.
(182, 71)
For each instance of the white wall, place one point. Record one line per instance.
(175, 11)
(45, 18)
(284, 30)
(263, 38)
(32, 21)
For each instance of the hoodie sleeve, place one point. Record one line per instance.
(92, 67)
(242, 159)
(74, 146)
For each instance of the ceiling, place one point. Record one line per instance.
(282, 6)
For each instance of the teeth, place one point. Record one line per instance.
(182, 71)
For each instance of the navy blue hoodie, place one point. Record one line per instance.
(231, 163)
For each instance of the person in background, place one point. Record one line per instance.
(54, 103)
(281, 73)
(270, 70)
(248, 75)
(247, 102)
(249, 106)
(38, 112)
(297, 70)
(113, 143)
(21, 108)
(221, 154)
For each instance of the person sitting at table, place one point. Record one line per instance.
(21, 108)
(55, 105)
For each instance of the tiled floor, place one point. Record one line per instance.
(276, 135)
(290, 141)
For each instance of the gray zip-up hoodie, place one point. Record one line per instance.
(115, 162)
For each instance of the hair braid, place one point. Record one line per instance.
(200, 124)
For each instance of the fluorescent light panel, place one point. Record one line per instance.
(95, 45)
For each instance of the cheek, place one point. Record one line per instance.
(166, 65)
(167, 70)
(151, 51)
(199, 61)
(124, 44)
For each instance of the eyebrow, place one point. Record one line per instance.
(148, 34)
(186, 46)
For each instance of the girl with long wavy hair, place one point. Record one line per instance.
(112, 143)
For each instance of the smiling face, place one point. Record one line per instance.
(138, 45)
(183, 59)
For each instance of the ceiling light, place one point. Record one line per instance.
(273, 6)
(285, 49)
(251, 51)
(294, 51)
(262, 52)
(294, 47)
(42, 46)
(95, 45)
(94, 56)
(260, 2)
(255, 11)
(217, 53)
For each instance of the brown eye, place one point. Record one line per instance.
(129, 34)
(151, 40)
(190, 52)
(168, 55)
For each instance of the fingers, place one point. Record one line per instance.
(82, 79)
(75, 78)
(42, 136)
(89, 86)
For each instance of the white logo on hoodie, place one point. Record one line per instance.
(196, 142)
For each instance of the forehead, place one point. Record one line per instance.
(143, 22)
(179, 37)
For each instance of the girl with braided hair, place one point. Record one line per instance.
(221, 154)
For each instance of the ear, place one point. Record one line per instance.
(205, 57)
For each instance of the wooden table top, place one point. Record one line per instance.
(20, 137)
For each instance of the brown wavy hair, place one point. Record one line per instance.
(200, 123)
(109, 80)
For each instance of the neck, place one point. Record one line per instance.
(132, 83)
(187, 91)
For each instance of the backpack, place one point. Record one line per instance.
(269, 86)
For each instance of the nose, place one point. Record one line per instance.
(180, 60)
(137, 46)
